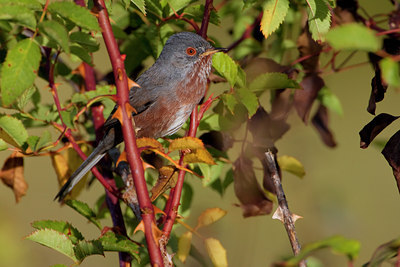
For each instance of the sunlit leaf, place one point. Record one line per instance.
(319, 19)
(216, 252)
(12, 131)
(210, 216)
(292, 165)
(19, 70)
(83, 209)
(185, 143)
(62, 227)
(274, 13)
(353, 36)
(226, 67)
(330, 100)
(141, 5)
(199, 155)
(19, 14)
(390, 71)
(86, 248)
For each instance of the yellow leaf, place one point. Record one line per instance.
(199, 156)
(210, 216)
(274, 13)
(185, 143)
(292, 165)
(168, 175)
(149, 142)
(184, 244)
(216, 252)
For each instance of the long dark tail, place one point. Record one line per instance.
(97, 154)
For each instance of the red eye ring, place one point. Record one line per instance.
(191, 51)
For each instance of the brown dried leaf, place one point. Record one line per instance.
(199, 156)
(374, 127)
(303, 99)
(168, 175)
(217, 139)
(210, 216)
(186, 143)
(12, 175)
(391, 152)
(378, 85)
(320, 122)
(252, 199)
(308, 47)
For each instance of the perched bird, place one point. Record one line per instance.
(168, 92)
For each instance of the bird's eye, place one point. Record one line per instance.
(191, 51)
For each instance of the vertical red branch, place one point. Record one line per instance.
(132, 152)
(208, 7)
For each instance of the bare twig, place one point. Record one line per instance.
(129, 135)
(283, 205)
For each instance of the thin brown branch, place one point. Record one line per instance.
(129, 135)
(208, 7)
(283, 205)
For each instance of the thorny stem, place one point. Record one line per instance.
(129, 135)
(283, 205)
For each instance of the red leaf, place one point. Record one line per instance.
(320, 122)
(391, 152)
(248, 191)
(303, 99)
(374, 127)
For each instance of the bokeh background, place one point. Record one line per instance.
(346, 190)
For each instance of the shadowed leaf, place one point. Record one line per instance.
(184, 246)
(12, 131)
(390, 71)
(12, 175)
(168, 175)
(303, 99)
(378, 86)
(374, 127)
(56, 32)
(321, 123)
(272, 80)
(252, 199)
(309, 50)
(384, 253)
(216, 252)
(391, 152)
(115, 242)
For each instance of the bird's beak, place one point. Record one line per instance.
(213, 50)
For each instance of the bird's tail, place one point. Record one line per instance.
(97, 154)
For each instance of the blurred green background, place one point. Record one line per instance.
(346, 191)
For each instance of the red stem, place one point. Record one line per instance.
(208, 7)
(131, 149)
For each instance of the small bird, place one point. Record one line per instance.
(169, 90)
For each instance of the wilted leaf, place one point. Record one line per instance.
(319, 19)
(252, 199)
(184, 245)
(83, 209)
(55, 240)
(292, 165)
(274, 12)
(272, 80)
(374, 127)
(79, 15)
(185, 143)
(12, 175)
(19, 70)
(210, 216)
(226, 67)
(391, 152)
(378, 86)
(62, 227)
(321, 123)
(216, 252)
(353, 36)
(12, 131)
(168, 175)
(383, 253)
(303, 99)
(390, 71)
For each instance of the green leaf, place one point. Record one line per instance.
(272, 80)
(44, 140)
(241, 77)
(86, 40)
(292, 165)
(390, 71)
(210, 122)
(68, 117)
(81, 53)
(12, 131)
(115, 242)
(31, 4)
(56, 32)
(19, 14)
(177, 5)
(226, 67)
(86, 248)
(274, 13)
(330, 100)
(25, 97)
(248, 99)
(141, 5)
(230, 102)
(353, 36)
(384, 253)
(319, 19)
(3, 145)
(197, 11)
(19, 70)
(186, 200)
(84, 210)
(89, 95)
(55, 240)
(79, 15)
(62, 227)
(210, 173)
